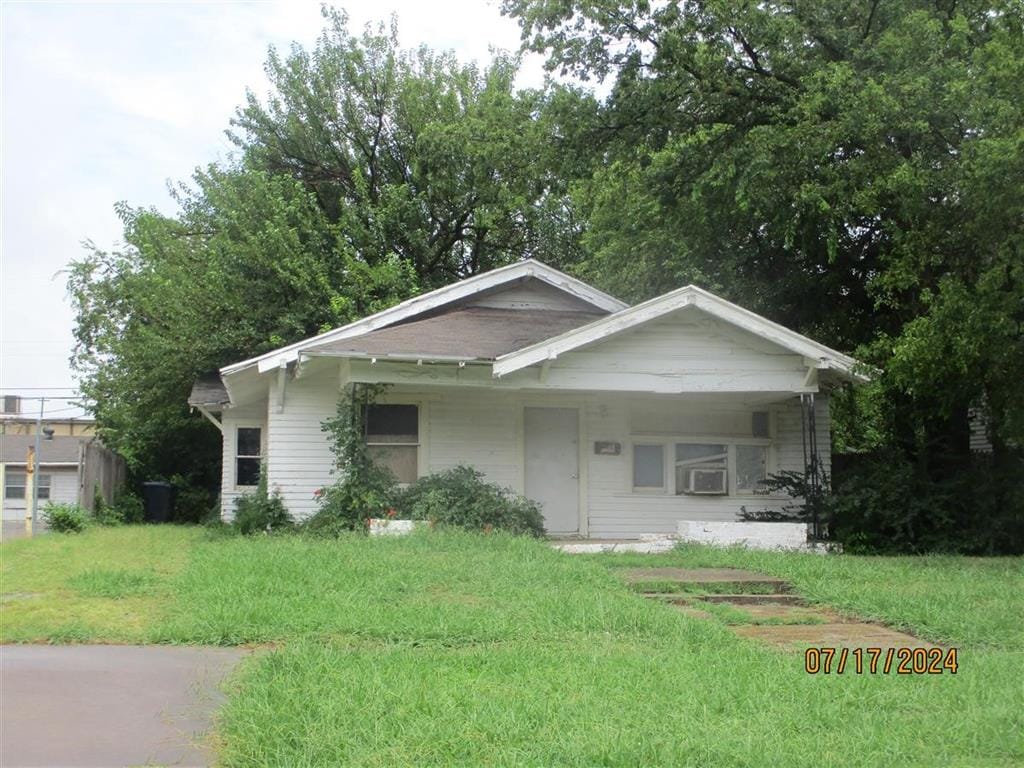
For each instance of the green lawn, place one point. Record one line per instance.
(448, 649)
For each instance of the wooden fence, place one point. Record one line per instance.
(99, 470)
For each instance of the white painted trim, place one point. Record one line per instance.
(433, 300)
(690, 295)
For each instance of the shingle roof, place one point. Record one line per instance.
(479, 333)
(61, 449)
(208, 390)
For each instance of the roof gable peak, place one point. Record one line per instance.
(434, 300)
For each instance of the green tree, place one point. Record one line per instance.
(410, 152)
(367, 175)
(851, 169)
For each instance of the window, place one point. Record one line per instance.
(15, 482)
(751, 468)
(14, 485)
(248, 455)
(393, 438)
(649, 467)
(702, 468)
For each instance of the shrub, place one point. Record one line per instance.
(66, 518)
(128, 506)
(192, 501)
(260, 511)
(810, 500)
(887, 504)
(364, 489)
(460, 497)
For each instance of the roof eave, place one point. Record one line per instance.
(431, 300)
(659, 306)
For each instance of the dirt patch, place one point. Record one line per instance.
(849, 634)
(10, 597)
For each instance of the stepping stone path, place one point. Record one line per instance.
(762, 607)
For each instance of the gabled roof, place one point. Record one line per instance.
(463, 334)
(823, 357)
(429, 302)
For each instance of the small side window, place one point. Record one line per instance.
(248, 455)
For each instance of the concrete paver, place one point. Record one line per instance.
(102, 705)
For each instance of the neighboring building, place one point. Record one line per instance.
(619, 420)
(73, 464)
(16, 420)
(58, 471)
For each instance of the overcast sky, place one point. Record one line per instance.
(109, 101)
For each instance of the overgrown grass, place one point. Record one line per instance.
(449, 588)
(966, 601)
(102, 585)
(454, 649)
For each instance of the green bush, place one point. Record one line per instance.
(461, 498)
(260, 511)
(364, 489)
(66, 518)
(886, 504)
(192, 501)
(128, 506)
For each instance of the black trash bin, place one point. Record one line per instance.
(158, 502)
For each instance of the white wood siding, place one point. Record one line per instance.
(532, 294)
(616, 512)
(299, 458)
(484, 428)
(476, 427)
(685, 351)
(63, 490)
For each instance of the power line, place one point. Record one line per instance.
(35, 389)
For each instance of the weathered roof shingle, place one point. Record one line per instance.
(209, 391)
(472, 333)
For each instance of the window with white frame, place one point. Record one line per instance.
(751, 469)
(248, 455)
(648, 467)
(393, 438)
(719, 468)
(15, 483)
(702, 468)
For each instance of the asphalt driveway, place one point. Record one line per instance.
(103, 705)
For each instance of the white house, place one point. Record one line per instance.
(619, 420)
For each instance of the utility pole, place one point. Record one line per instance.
(35, 469)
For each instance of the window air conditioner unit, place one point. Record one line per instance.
(707, 482)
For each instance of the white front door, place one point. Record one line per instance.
(553, 466)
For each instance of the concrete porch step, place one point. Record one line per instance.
(704, 580)
(748, 599)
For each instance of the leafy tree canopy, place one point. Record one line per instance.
(850, 168)
(368, 174)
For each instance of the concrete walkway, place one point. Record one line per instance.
(101, 705)
(763, 608)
